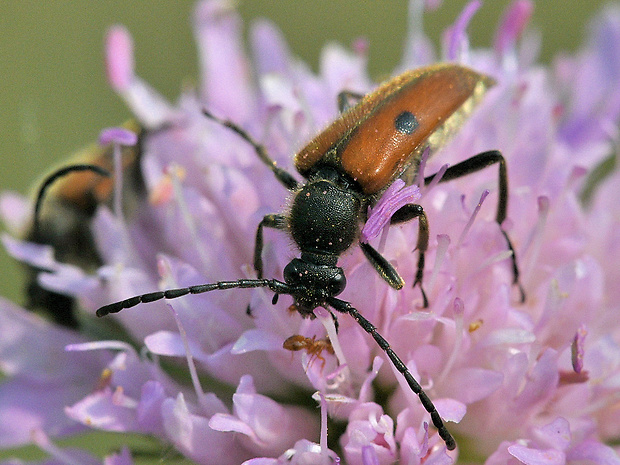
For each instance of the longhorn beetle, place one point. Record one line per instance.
(347, 167)
(72, 194)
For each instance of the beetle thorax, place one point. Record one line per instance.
(325, 218)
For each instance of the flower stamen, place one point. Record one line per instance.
(472, 217)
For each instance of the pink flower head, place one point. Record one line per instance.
(532, 382)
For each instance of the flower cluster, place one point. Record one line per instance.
(533, 382)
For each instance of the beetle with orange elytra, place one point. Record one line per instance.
(347, 167)
(72, 195)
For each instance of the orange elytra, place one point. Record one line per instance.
(377, 139)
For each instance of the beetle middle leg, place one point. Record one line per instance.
(477, 163)
(384, 268)
(407, 213)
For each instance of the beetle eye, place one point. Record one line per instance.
(293, 272)
(337, 283)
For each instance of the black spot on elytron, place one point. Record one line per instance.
(406, 123)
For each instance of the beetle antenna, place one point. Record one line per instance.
(274, 285)
(53, 177)
(345, 307)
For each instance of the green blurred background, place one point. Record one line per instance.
(55, 99)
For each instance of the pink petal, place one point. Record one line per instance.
(472, 384)
(117, 135)
(119, 58)
(148, 413)
(257, 339)
(512, 25)
(594, 452)
(537, 457)
(450, 409)
(191, 434)
(456, 36)
(225, 87)
(107, 410)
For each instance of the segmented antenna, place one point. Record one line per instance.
(279, 287)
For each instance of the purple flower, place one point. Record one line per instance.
(534, 382)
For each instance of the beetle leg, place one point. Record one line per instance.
(380, 263)
(407, 213)
(477, 163)
(383, 267)
(274, 221)
(285, 178)
(348, 99)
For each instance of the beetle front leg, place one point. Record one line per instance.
(384, 268)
